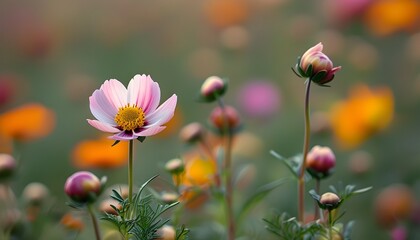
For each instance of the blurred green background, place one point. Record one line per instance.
(58, 52)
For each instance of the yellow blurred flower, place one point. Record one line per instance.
(100, 153)
(28, 122)
(385, 17)
(199, 171)
(364, 113)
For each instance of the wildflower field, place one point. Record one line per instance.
(210, 120)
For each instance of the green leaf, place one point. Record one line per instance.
(348, 229)
(259, 195)
(293, 164)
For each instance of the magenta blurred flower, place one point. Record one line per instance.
(399, 233)
(315, 65)
(130, 112)
(259, 99)
(83, 187)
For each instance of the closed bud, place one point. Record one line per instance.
(329, 201)
(212, 88)
(175, 166)
(83, 187)
(192, 132)
(7, 166)
(223, 118)
(166, 233)
(320, 161)
(316, 66)
(35, 194)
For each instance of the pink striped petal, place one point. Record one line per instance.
(144, 92)
(101, 108)
(163, 114)
(115, 92)
(123, 136)
(104, 127)
(150, 131)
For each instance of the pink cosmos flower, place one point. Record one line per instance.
(130, 112)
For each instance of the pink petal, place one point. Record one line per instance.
(101, 108)
(115, 92)
(104, 127)
(144, 92)
(150, 131)
(123, 136)
(163, 114)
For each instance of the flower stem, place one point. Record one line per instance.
(228, 174)
(330, 224)
(130, 171)
(301, 180)
(317, 190)
(94, 222)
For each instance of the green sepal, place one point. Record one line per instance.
(141, 139)
(115, 143)
(309, 71)
(294, 71)
(319, 77)
(319, 175)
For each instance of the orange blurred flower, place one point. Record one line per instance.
(72, 222)
(100, 153)
(385, 17)
(365, 112)
(28, 122)
(199, 171)
(225, 13)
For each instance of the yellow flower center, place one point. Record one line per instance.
(129, 118)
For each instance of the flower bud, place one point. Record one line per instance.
(166, 233)
(192, 132)
(35, 194)
(228, 115)
(83, 187)
(106, 207)
(7, 165)
(175, 166)
(320, 161)
(212, 88)
(169, 197)
(329, 201)
(316, 66)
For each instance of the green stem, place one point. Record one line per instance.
(316, 207)
(130, 171)
(94, 222)
(231, 228)
(301, 180)
(330, 223)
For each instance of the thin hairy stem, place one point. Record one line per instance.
(94, 222)
(301, 180)
(130, 171)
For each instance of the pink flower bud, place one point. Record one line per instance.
(7, 165)
(192, 132)
(316, 66)
(229, 116)
(329, 201)
(212, 88)
(320, 159)
(175, 166)
(83, 187)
